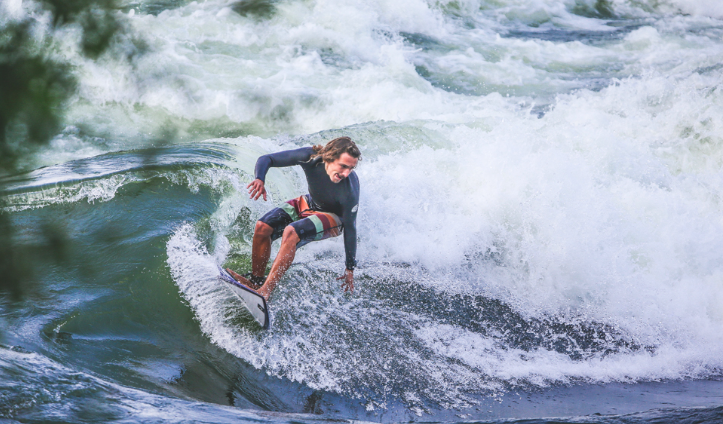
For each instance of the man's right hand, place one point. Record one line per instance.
(257, 189)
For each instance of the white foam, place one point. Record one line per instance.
(543, 368)
(697, 7)
(607, 206)
(11, 9)
(312, 67)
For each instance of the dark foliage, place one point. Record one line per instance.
(34, 85)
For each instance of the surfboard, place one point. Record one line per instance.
(254, 302)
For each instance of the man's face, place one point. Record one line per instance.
(341, 168)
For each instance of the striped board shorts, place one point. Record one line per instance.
(310, 225)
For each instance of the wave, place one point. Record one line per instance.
(529, 253)
(541, 188)
(52, 389)
(99, 178)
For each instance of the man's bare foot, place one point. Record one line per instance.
(243, 280)
(263, 293)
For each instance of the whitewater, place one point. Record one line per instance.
(540, 225)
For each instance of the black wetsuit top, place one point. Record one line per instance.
(341, 198)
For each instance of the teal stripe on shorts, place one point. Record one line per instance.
(291, 211)
(319, 226)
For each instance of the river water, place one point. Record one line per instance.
(540, 225)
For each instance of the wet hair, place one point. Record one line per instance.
(335, 148)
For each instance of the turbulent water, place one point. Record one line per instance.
(540, 224)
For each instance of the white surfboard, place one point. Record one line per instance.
(254, 302)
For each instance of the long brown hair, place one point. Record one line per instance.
(334, 149)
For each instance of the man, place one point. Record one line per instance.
(329, 208)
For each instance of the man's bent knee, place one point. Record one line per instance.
(263, 229)
(290, 235)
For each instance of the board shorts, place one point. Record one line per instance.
(309, 224)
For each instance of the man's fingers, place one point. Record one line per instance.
(256, 190)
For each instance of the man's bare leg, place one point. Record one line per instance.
(261, 249)
(260, 253)
(283, 261)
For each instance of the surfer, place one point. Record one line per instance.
(329, 209)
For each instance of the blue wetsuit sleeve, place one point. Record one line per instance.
(348, 218)
(280, 160)
(349, 221)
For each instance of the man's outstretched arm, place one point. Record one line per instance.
(349, 221)
(277, 160)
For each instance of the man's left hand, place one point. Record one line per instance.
(348, 284)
